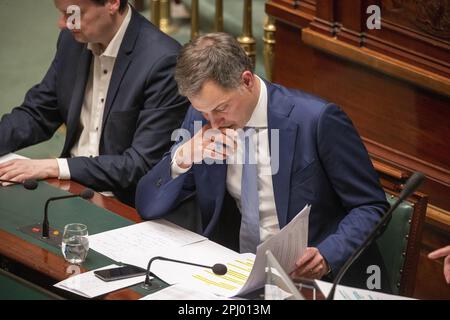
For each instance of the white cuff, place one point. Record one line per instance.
(176, 171)
(64, 171)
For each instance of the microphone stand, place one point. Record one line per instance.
(412, 184)
(218, 269)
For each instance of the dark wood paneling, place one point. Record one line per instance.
(405, 125)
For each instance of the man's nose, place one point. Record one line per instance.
(215, 121)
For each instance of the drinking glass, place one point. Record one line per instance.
(75, 243)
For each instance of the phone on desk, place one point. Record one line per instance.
(119, 273)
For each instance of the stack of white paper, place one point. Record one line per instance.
(138, 243)
(181, 292)
(246, 272)
(89, 286)
(349, 293)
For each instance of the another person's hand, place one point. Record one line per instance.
(22, 169)
(443, 252)
(216, 144)
(311, 265)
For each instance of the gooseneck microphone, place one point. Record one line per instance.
(85, 194)
(410, 186)
(27, 184)
(218, 268)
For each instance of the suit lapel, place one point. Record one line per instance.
(73, 118)
(279, 108)
(122, 62)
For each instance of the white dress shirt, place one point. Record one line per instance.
(95, 95)
(267, 210)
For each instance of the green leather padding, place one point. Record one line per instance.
(393, 242)
(13, 289)
(20, 207)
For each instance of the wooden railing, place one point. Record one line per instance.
(160, 16)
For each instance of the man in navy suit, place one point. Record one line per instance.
(111, 83)
(305, 151)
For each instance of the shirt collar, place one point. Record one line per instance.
(259, 115)
(113, 47)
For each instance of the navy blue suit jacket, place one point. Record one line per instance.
(142, 108)
(322, 162)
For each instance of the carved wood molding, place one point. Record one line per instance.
(436, 173)
(377, 61)
(439, 217)
(429, 16)
(392, 176)
(288, 13)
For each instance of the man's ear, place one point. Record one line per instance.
(113, 6)
(248, 79)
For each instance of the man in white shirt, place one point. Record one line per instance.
(305, 151)
(111, 83)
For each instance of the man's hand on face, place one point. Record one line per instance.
(21, 170)
(311, 265)
(216, 144)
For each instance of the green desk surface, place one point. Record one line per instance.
(20, 207)
(12, 288)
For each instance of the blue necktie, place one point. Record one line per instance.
(249, 233)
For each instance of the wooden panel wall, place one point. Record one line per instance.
(394, 83)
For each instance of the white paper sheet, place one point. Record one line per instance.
(245, 272)
(11, 156)
(181, 292)
(206, 253)
(349, 293)
(89, 286)
(137, 243)
(287, 246)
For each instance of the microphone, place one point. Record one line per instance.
(85, 194)
(218, 269)
(27, 184)
(411, 185)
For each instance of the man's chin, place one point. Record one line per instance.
(78, 36)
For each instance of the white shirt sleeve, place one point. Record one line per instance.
(176, 171)
(64, 171)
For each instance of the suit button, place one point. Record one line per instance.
(159, 182)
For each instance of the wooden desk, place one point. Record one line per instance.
(47, 267)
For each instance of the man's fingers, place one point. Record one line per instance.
(319, 270)
(221, 139)
(12, 174)
(308, 255)
(16, 176)
(442, 252)
(213, 154)
(5, 167)
(6, 164)
(22, 177)
(311, 265)
(447, 269)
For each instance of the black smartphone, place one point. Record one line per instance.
(124, 272)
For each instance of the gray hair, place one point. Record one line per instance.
(214, 57)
